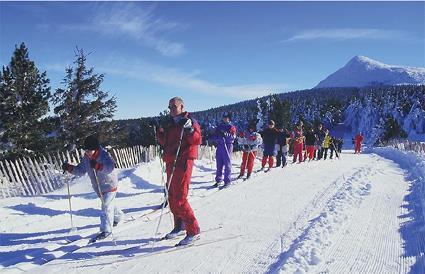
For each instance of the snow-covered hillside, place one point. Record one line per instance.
(360, 214)
(362, 71)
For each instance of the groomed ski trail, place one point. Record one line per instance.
(340, 216)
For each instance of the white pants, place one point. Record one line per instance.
(110, 212)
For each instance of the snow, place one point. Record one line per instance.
(363, 71)
(360, 214)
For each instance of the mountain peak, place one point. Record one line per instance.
(363, 71)
(368, 63)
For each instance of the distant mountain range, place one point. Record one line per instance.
(362, 71)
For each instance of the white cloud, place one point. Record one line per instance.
(175, 78)
(347, 33)
(140, 24)
(130, 20)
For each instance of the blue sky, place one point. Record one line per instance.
(210, 53)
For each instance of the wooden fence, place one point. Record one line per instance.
(418, 147)
(43, 174)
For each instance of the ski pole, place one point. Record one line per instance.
(165, 199)
(160, 159)
(167, 187)
(73, 228)
(227, 151)
(102, 199)
(336, 151)
(247, 158)
(211, 167)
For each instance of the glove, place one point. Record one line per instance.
(187, 125)
(242, 134)
(95, 165)
(67, 167)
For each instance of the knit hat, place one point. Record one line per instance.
(91, 143)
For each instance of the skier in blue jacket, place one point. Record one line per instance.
(99, 166)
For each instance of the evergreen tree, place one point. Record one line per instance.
(24, 95)
(386, 130)
(81, 105)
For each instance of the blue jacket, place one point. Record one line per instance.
(108, 179)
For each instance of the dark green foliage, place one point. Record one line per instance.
(83, 108)
(24, 95)
(391, 130)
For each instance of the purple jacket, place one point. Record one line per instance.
(225, 133)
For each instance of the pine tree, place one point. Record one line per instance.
(83, 108)
(24, 95)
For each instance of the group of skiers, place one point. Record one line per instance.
(276, 142)
(180, 138)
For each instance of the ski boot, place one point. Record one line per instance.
(188, 240)
(173, 233)
(102, 235)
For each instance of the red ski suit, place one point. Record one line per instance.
(358, 143)
(179, 186)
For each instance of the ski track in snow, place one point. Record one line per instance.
(294, 240)
(340, 216)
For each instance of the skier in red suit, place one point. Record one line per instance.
(187, 130)
(358, 142)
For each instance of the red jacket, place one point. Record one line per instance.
(169, 138)
(358, 139)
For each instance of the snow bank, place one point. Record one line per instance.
(414, 164)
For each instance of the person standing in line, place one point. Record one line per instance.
(269, 136)
(282, 147)
(298, 143)
(326, 144)
(224, 136)
(320, 133)
(250, 142)
(180, 139)
(310, 141)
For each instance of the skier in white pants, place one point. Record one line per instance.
(99, 165)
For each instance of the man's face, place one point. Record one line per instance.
(175, 107)
(226, 120)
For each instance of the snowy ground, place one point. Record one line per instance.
(360, 214)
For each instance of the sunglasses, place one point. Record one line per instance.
(172, 107)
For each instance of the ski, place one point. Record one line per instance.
(259, 170)
(197, 243)
(162, 239)
(202, 231)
